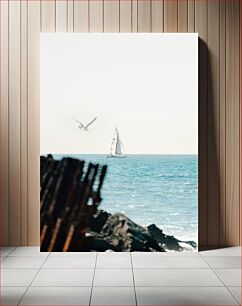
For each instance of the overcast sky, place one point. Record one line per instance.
(146, 85)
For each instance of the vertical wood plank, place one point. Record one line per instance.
(81, 16)
(144, 16)
(213, 124)
(171, 15)
(125, 16)
(70, 16)
(232, 122)
(61, 16)
(48, 16)
(182, 16)
(33, 123)
(201, 29)
(111, 16)
(14, 122)
(191, 16)
(23, 124)
(222, 142)
(96, 16)
(134, 21)
(240, 129)
(4, 123)
(157, 15)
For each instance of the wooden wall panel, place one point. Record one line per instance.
(240, 124)
(157, 13)
(134, 16)
(125, 16)
(222, 120)
(61, 16)
(144, 16)
(33, 123)
(217, 23)
(182, 16)
(14, 121)
(213, 118)
(48, 16)
(201, 29)
(232, 122)
(24, 122)
(81, 16)
(111, 16)
(70, 16)
(171, 15)
(191, 16)
(4, 123)
(96, 16)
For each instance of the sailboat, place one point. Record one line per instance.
(116, 150)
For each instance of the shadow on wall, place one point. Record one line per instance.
(210, 226)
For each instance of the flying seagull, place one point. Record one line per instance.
(85, 127)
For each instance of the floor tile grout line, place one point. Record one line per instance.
(150, 255)
(135, 295)
(239, 302)
(171, 269)
(214, 272)
(163, 286)
(218, 256)
(105, 286)
(28, 256)
(92, 268)
(14, 248)
(2, 261)
(23, 268)
(90, 299)
(221, 281)
(33, 279)
(205, 258)
(185, 268)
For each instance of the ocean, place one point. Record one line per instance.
(159, 189)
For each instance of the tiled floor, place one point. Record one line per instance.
(29, 277)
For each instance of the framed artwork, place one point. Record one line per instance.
(119, 142)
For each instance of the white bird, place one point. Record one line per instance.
(85, 127)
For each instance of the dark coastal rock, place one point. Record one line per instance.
(119, 233)
(169, 243)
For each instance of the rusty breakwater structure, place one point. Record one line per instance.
(70, 194)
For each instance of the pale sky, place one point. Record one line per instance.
(144, 84)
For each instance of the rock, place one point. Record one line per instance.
(99, 220)
(102, 245)
(166, 241)
(119, 233)
(122, 233)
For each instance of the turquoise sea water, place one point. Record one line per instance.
(160, 189)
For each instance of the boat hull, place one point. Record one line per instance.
(116, 156)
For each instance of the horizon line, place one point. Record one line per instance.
(124, 154)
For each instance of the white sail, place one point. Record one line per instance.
(118, 150)
(116, 147)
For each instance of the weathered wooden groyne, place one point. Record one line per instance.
(69, 197)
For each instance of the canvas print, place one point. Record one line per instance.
(119, 142)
